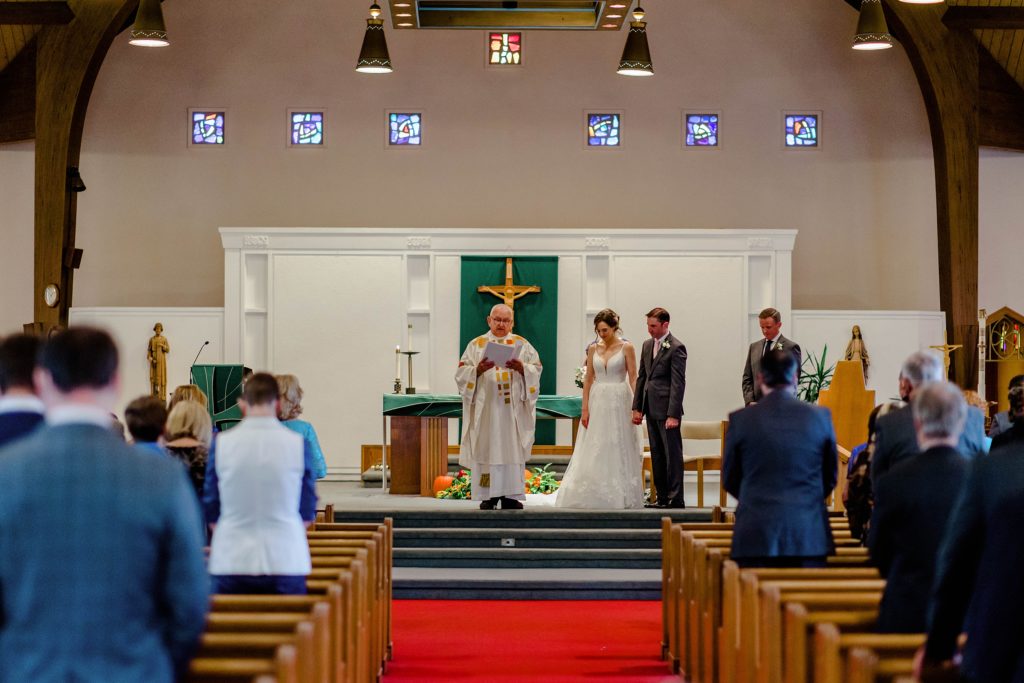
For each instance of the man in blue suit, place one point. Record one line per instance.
(115, 591)
(21, 411)
(895, 436)
(780, 463)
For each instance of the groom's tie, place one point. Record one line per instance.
(767, 346)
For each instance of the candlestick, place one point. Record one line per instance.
(409, 338)
(398, 365)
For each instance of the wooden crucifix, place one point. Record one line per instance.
(509, 291)
(946, 349)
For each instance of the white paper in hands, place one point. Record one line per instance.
(500, 354)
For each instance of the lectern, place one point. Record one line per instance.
(222, 385)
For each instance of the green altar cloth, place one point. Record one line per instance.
(450, 405)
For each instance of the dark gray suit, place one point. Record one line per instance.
(751, 388)
(896, 440)
(780, 463)
(101, 569)
(660, 384)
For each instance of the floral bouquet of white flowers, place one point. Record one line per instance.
(581, 374)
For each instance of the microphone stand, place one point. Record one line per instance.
(191, 378)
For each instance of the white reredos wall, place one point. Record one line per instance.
(504, 149)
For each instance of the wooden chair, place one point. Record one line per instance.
(701, 463)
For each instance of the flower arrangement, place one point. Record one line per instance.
(539, 480)
(581, 374)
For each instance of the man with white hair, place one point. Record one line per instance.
(909, 520)
(895, 437)
(498, 413)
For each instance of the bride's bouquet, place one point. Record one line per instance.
(581, 374)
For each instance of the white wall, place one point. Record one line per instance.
(17, 183)
(1001, 231)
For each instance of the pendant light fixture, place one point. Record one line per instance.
(636, 56)
(374, 58)
(872, 31)
(148, 29)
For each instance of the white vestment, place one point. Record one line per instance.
(498, 418)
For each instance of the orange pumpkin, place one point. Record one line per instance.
(441, 483)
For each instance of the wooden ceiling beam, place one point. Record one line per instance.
(18, 97)
(35, 13)
(1001, 105)
(962, 16)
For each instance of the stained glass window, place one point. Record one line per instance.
(603, 130)
(405, 129)
(801, 130)
(207, 128)
(505, 49)
(702, 130)
(307, 127)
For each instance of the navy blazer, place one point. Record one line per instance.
(780, 463)
(913, 503)
(15, 425)
(661, 380)
(896, 440)
(101, 561)
(979, 572)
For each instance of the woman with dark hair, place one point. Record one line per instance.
(604, 471)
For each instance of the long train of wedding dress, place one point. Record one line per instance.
(604, 472)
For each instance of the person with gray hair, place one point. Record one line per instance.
(895, 437)
(913, 503)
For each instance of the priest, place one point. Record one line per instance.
(498, 413)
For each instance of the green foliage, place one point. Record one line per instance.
(542, 481)
(814, 376)
(459, 489)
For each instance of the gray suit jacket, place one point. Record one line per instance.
(751, 389)
(661, 381)
(896, 440)
(102, 545)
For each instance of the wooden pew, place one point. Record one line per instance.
(282, 668)
(830, 643)
(865, 665)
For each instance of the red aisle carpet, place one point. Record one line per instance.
(517, 640)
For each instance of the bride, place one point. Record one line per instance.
(604, 471)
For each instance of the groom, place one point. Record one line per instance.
(660, 383)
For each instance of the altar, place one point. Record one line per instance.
(419, 435)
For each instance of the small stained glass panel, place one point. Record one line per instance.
(802, 130)
(504, 49)
(702, 130)
(604, 130)
(207, 128)
(307, 127)
(405, 129)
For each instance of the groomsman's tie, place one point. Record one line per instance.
(767, 346)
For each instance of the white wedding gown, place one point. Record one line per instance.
(604, 472)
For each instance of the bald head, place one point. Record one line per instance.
(500, 320)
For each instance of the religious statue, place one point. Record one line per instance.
(157, 356)
(856, 350)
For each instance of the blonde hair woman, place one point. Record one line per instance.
(187, 392)
(189, 434)
(289, 409)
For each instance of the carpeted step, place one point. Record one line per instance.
(456, 537)
(596, 558)
(531, 518)
(495, 583)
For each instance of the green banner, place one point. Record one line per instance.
(536, 314)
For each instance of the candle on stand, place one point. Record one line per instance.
(409, 338)
(398, 366)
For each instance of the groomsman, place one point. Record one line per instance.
(770, 321)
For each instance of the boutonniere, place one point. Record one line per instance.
(666, 345)
(777, 346)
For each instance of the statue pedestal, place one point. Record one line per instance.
(850, 402)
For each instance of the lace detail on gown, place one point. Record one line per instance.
(604, 472)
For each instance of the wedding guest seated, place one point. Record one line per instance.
(146, 417)
(1015, 434)
(21, 411)
(1001, 421)
(260, 496)
(116, 591)
(187, 392)
(289, 411)
(188, 435)
(780, 463)
(913, 503)
(978, 588)
(895, 438)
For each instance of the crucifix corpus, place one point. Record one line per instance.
(509, 291)
(946, 349)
